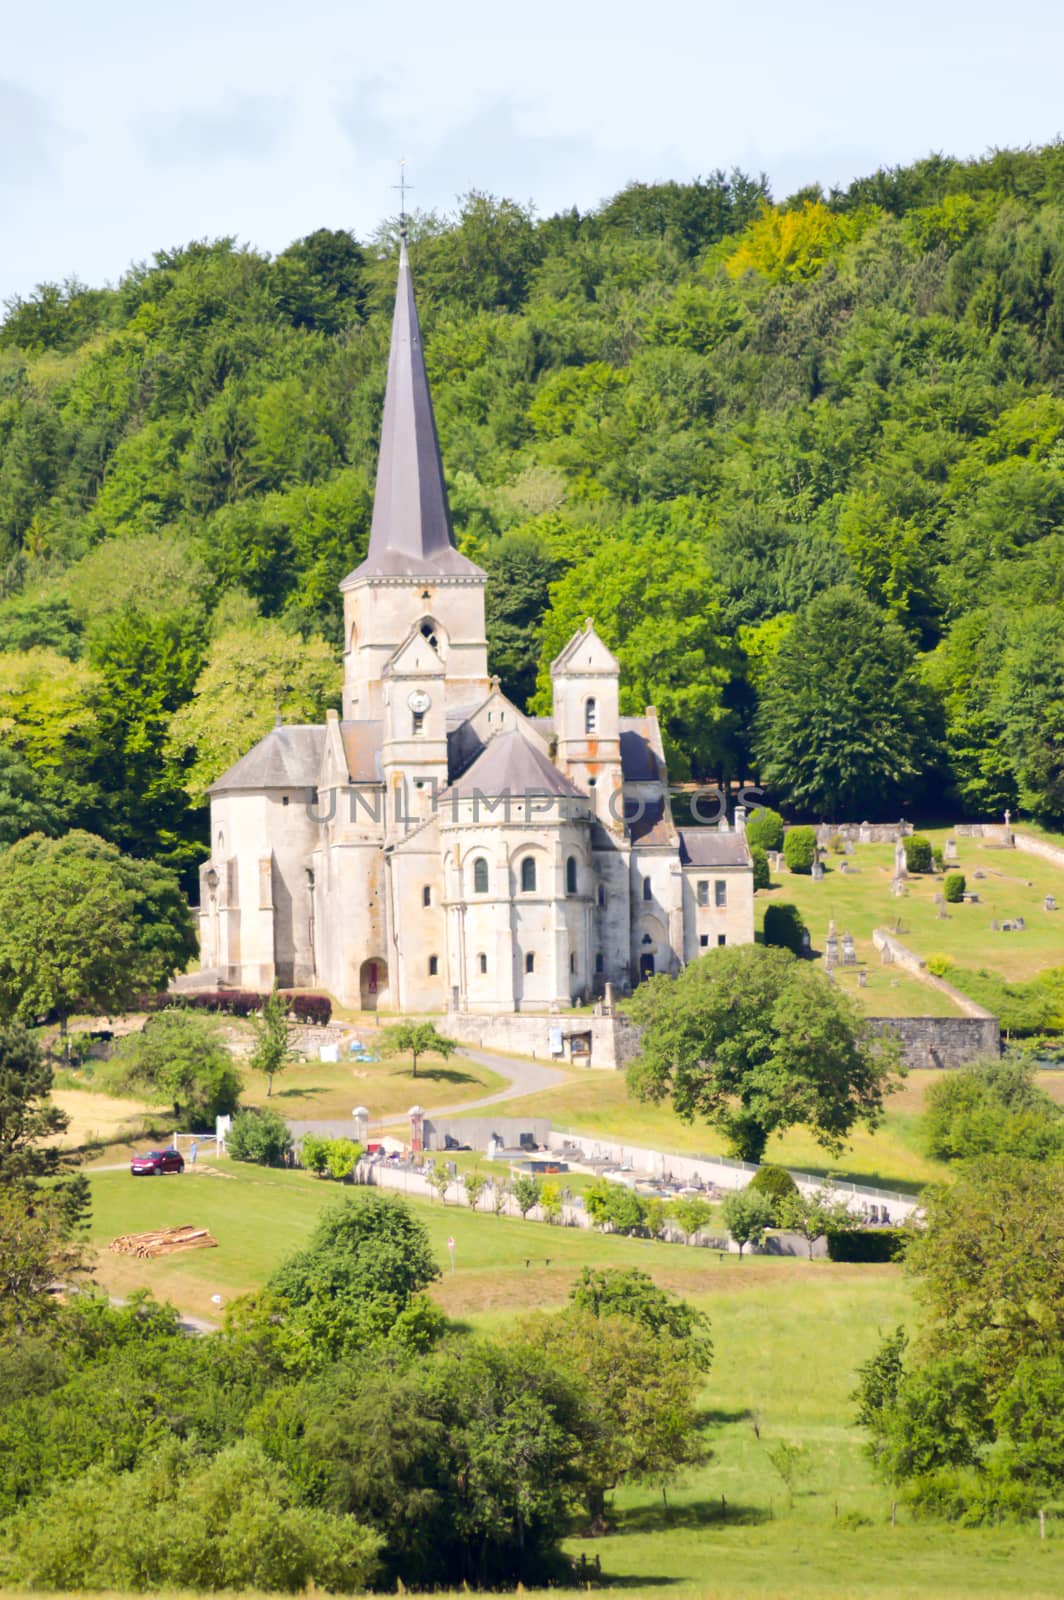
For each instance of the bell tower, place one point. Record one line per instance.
(414, 578)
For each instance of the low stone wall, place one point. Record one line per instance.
(479, 1131)
(720, 1171)
(863, 832)
(897, 954)
(1039, 847)
(942, 1042)
(613, 1040)
(326, 1129)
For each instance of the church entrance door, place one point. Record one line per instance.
(373, 978)
(646, 967)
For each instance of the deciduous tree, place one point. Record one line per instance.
(754, 1041)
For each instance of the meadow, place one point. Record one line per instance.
(788, 1337)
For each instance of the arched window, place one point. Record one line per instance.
(530, 961)
(434, 966)
(482, 962)
(602, 894)
(426, 895)
(418, 724)
(528, 877)
(570, 875)
(598, 962)
(590, 716)
(480, 875)
(648, 893)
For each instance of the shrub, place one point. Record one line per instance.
(784, 927)
(761, 873)
(837, 844)
(342, 1157)
(938, 858)
(765, 829)
(315, 1009)
(775, 1183)
(867, 1244)
(939, 966)
(314, 1153)
(954, 887)
(919, 856)
(234, 1002)
(259, 1136)
(799, 849)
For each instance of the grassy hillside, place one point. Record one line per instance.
(788, 1336)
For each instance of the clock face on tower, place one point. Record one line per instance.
(419, 701)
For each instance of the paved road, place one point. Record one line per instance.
(524, 1077)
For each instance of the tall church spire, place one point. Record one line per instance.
(411, 535)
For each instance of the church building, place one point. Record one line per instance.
(431, 847)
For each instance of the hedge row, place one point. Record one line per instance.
(314, 1009)
(867, 1244)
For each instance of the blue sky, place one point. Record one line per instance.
(128, 126)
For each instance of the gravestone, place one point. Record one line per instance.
(862, 979)
(849, 847)
(897, 887)
(818, 870)
(831, 951)
(1020, 924)
(849, 951)
(978, 873)
(995, 926)
(807, 943)
(901, 867)
(1050, 902)
(844, 868)
(950, 852)
(940, 902)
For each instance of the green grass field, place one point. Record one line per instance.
(788, 1338)
(860, 900)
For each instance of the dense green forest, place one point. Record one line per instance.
(803, 462)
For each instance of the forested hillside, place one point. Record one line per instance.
(804, 463)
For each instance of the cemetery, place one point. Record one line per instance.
(1007, 922)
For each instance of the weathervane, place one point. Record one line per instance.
(402, 186)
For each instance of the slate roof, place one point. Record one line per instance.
(287, 758)
(510, 764)
(708, 847)
(411, 534)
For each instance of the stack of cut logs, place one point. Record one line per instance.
(163, 1241)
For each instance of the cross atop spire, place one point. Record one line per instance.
(411, 533)
(402, 186)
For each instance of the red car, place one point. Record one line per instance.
(157, 1161)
